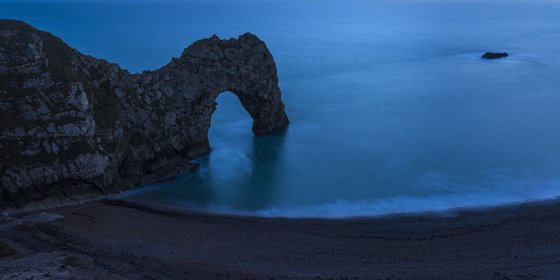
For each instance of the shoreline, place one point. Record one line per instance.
(442, 213)
(122, 196)
(48, 203)
(120, 239)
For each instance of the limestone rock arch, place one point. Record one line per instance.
(82, 126)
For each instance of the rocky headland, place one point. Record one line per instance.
(75, 127)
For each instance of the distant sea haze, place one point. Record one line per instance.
(392, 109)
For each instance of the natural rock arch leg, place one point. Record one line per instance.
(267, 113)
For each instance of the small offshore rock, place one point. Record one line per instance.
(493, 55)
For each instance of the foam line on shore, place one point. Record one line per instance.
(440, 205)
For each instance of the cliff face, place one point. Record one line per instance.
(73, 126)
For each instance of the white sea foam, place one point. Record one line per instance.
(444, 206)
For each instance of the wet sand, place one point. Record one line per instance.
(115, 239)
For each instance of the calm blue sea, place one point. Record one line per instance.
(391, 108)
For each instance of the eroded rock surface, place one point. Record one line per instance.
(74, 126)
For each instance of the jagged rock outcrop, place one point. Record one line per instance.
(74, 126)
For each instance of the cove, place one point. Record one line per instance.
(391, 107)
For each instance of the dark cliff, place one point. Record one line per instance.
(73, 126)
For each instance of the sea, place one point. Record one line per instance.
(391, 108)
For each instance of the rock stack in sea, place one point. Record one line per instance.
(494, 55)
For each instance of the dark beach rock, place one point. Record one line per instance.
(75, 126)
(492, 55)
